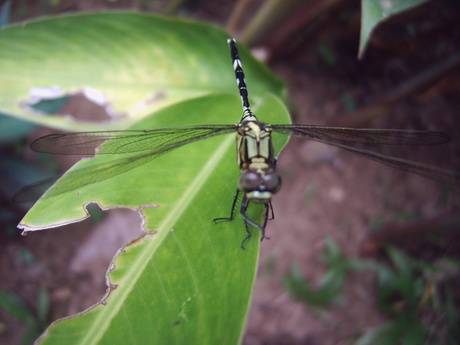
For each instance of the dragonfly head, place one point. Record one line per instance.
(259, 186)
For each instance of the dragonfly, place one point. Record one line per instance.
(258, 180)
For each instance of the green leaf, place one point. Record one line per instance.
(43, 305)
(373, 12)
(190, 282)
(313, 298)
(405, 330)
(133, 63)
(15, 306)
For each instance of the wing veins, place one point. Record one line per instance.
(364, 135)
(415, 138)
(115, 142)
(170, 139)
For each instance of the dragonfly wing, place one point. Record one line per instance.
(364, 135)
(431, 172)
(33, 192)
(85, 143)
(113, 142)
(78, 178)
(341, 137)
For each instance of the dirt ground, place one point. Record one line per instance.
(327, 193)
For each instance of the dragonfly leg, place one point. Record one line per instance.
(267, 210)
(268, 215)
(244, 207)
(272, 216)
(232, 212)
(247, 220)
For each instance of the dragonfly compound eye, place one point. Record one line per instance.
(272, 182)
(249, 181)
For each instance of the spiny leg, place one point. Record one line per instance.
(244, 207)
(246, 219)
(233, 210)
(271, 210)
(267, 208)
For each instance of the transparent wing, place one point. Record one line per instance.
(344, 137)
(113, 142)
(363, 136)
(150, 143)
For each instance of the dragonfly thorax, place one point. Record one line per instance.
(258, 180)
(254, 146)
(259, 185)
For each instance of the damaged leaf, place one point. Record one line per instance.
(131, 64)
(189, 281)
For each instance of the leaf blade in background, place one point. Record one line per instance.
(373, 12)
(131, 63)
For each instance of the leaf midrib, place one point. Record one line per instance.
(95, 333)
